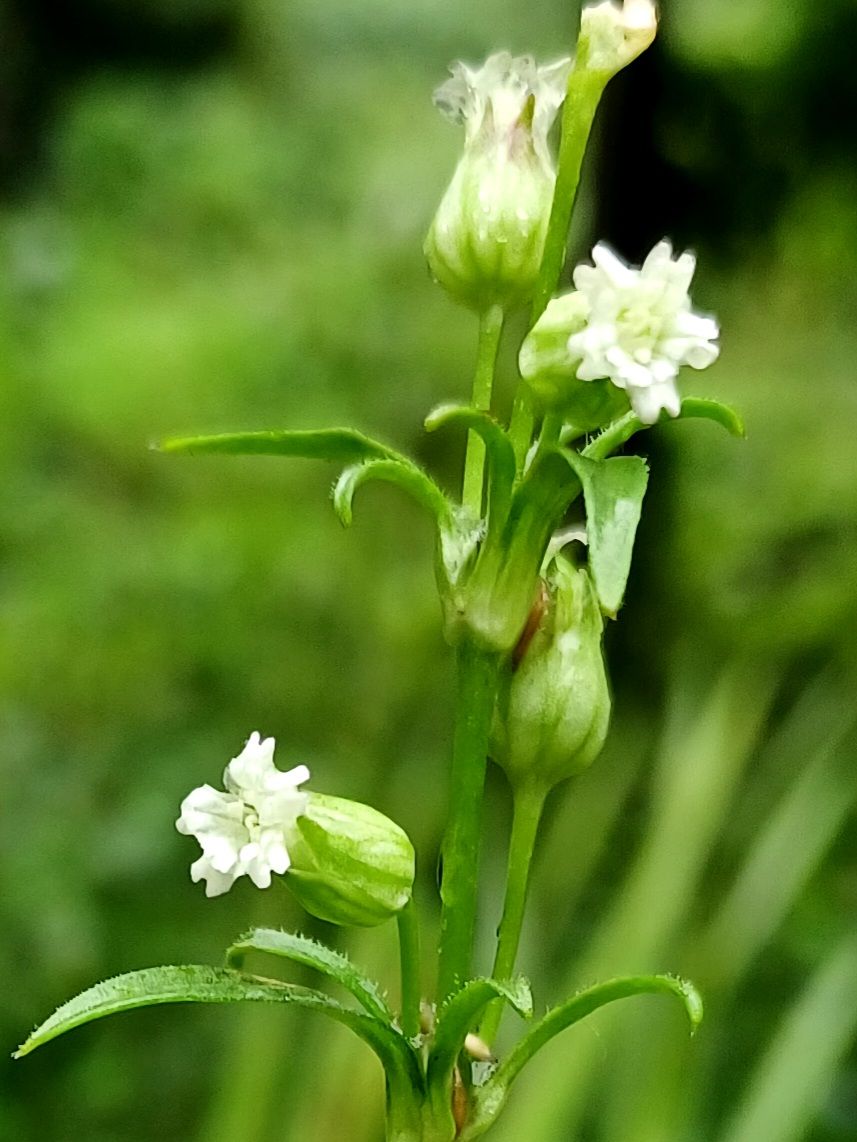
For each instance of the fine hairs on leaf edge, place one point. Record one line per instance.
(309, 952)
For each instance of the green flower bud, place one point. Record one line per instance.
(613, 34)
(350, 864)
(550, 368)
(553, 706)
(485, 244)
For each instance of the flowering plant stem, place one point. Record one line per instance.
(490, 329)
(476, 688)
(527, 805)
(530, 676)
(476, 684)
(409, 960)
(581, 102)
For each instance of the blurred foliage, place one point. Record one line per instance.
(212, 219)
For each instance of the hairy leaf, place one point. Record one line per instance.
(394, 471)
(303, 950)
(501, 454)
(491, 1096)
(692, 408)
(194, 983)
(461, 1012)
(343, 445)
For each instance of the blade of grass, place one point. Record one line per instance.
(707, 743)
(656, 1097)
(786, 1090)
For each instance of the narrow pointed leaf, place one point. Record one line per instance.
(491, 1096)
(394, 471)
(343, 445)
(462, 1011)
(501, 454)
(302, 950)
(194, 983)
(502, 587)
(613, 492)
(692, 408)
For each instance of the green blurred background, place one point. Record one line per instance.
(212, 213)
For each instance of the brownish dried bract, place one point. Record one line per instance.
(533, 623)
(459, 1102)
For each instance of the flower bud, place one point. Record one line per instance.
(553, 709)
(485, 244)
(350, 864)
(612, 35)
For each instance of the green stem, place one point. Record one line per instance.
(490, 328)
(581, 102)
(613, 437)
(419, 1123)
(404, 1118)
(521, 424)
(550, 431)
(476, 691)
(528, 803)
(409, 959)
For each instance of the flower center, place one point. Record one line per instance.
(639, 329)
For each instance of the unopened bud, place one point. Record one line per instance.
(350, 864)
(612, 35)
(554, 709)
(486, 242)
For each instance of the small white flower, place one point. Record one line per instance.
(641, 329)
(614, 34)
(243, 831)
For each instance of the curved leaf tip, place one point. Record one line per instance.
(693, 1004)
(703, 408)
(518, 994)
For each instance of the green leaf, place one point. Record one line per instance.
(462, 1011)
(193, 983)
(692, 408)
(613, 492)
(394, 471)
(490, 1098)
(500, 591)
(699, 408)
(344, 445)
(302, 950)
(501, 454)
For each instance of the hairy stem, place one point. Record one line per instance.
(528, 803)
(490, 328)
(476, 689)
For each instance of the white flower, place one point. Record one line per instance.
(613, 34)
(641, 328)
(243, 831)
